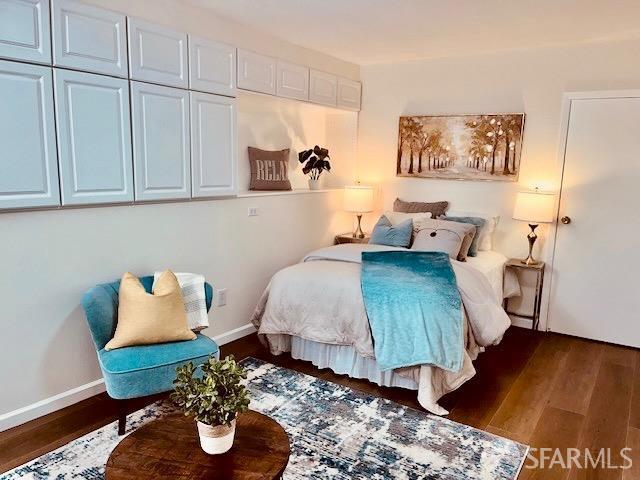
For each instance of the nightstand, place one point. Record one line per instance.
(349, 238)
(538, 270)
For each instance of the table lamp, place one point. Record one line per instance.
(358, 199)
(534, 208)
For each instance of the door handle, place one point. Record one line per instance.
(566, 220)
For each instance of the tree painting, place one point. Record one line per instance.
(469, 147)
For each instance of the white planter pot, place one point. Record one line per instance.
(314, 184)
(218, 439)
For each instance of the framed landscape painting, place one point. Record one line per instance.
(466, 147)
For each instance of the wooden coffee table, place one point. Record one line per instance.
(169, 447)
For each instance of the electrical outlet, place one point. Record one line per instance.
(253, 212)
(221, 297)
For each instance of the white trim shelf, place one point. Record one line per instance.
(273, 193)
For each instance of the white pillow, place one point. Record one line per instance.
(485, 242)
(398, 217)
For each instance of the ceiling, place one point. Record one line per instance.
(380, 31)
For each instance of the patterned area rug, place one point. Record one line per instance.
(335, 432)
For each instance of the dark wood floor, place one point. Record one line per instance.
(542, 389)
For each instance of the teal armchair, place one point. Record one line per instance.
(142, 370)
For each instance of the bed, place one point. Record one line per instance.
(315, 311)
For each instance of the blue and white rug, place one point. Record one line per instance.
(335, 432)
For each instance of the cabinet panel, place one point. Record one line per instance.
(94, 138)
(293, 81)
(256, 72)
(323, 88)
(24, 30)
(212, 66)
(161, 142)
(213, 145)
(349, 94)
(157, 54)
(28, 163)
(89, 38)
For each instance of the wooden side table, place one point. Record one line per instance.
(538, 269)
(169, 447)
(349, 238)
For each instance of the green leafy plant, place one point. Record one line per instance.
(212, 393)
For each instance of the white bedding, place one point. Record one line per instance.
(320, 300)
(491, 264)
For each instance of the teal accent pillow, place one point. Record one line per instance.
(478, 222)
(392, 235)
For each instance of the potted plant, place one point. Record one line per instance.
(317, 161)
(214, 396)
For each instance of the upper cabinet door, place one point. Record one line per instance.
(213, 145)
(157, 54)
(24, 30)
(89, 38)
(28, 163)
(161, 142)
(323, 88)
(293, 81)
(256, 72)
(349, 94)
(94, 138)
(212, 66)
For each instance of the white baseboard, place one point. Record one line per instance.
(75, 395)
(51, 404)
(517, 321)
(234, 334)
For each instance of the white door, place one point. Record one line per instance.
(24, 30)
(160, 142)
(323, 88)
(89, 38)
(256, 72)
(213, 145)
(94, 138)
(292, 81)
(212, 66)
(28, 162)
(594, 291)
(157, 54)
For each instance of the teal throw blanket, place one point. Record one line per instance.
(414, 309)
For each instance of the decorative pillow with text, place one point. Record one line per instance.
(269, 169)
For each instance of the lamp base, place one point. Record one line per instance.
(532, 237)
(358, 233)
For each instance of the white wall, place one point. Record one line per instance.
(49, 258)
(525, 81)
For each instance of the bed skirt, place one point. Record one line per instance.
(345, 360)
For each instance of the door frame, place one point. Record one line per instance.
(565, 117)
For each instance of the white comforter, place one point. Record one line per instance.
(320, 299)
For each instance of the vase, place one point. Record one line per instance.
(314, 184)
(218, 439)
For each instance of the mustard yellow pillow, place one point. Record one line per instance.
(145, 318)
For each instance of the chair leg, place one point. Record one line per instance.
(122, 417)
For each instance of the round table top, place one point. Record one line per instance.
(169, 447)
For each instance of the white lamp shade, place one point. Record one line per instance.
(535, 207)
(358, 199)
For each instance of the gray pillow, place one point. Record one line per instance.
(444, 236)
(478, 222)
(393, 235)
(436, 208)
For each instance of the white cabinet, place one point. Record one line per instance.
(28, 166)
(292, 81)
(160, 142)
(94, 138)
(89, 38)
(349, 94)
(323, 88)
(212, 66)
(213, 145)
(256, 72)
(24, 30)
(157, 54)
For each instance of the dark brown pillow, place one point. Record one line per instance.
(436, 208)
(269, 170)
